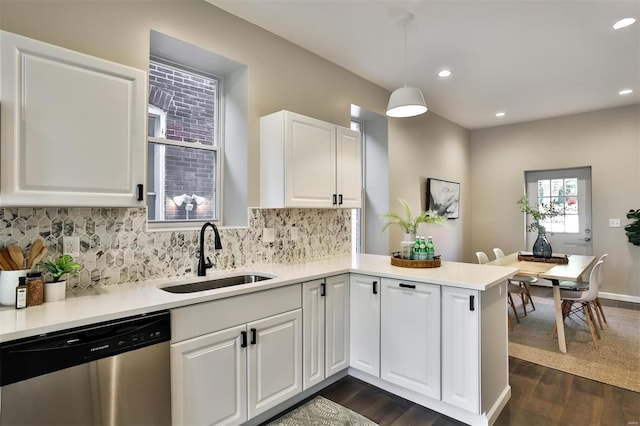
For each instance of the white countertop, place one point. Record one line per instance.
(117, 301)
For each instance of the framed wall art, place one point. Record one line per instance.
(443, 197)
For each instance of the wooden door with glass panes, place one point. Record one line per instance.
(570, 189)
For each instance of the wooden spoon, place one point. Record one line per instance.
(4, 263)
(35, 249)
(17, 256)
(8, 263)
(39, 256)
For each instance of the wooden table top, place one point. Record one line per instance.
(572, 271)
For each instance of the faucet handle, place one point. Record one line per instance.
(208, 264)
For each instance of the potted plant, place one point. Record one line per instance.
(539, 213)
(409, 223)
(633, 229)
(55, 290)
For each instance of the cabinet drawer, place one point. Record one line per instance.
(203, 318)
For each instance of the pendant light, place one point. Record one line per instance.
(406, 101)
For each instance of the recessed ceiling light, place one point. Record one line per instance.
(625, 92)
(625, 22)
(444, 73)
(500, 114)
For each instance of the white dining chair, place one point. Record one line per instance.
(584, 285)
(586, 300)
(522, 281)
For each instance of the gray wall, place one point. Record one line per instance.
(608, 141)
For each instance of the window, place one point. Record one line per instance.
(563, 193)
(356, 214)
(184, 144)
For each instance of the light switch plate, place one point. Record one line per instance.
(614, 223)
(268, 235)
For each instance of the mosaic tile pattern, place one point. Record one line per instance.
(116, 248)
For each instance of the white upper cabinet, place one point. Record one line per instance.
(305, 162)
(72, 127)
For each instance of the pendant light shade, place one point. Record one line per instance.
(406, 101)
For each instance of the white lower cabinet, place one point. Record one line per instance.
(209, 377)
(325, 305)
(226, 377)
(410, 336)
(365, 324)
(461, 348)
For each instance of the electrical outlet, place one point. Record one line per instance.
(614, 223)
(293, 233)
(71, 245)
(268, 235)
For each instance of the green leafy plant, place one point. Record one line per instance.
(539, 212)
(409, 223)
(60, 266)
(633, 229)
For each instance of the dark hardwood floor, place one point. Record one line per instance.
(539, 396)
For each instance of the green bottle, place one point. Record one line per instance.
(416, 249)
(431, 250)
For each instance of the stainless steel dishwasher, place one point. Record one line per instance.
(111, 373)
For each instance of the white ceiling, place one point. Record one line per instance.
(530, 59)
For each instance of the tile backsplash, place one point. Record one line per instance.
(116, 248)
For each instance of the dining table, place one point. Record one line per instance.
(554, 272)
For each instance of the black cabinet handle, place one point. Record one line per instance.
(472, 305)
(340, 199)
(375, 287)
(335, 199)
(323, 289)
(140, 192)
(253, 336)
(243, 342)
(407, 285)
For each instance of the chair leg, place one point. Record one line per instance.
(594, 306)
(587, 314)
(524, 303)
(527, 288)
(513, 306)
(600, 309)
(509, 321)
(591, 307)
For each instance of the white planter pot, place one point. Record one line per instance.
(54, 292)
(8, 283)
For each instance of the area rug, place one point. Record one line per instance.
(616, 362)
(321, 411)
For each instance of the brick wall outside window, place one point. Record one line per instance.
(189, 100)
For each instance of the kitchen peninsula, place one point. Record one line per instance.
(438, 336)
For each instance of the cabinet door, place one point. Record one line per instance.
(349, 168)
(274, 361)
(365, 324)
(337, 324)
(209, 379)
(410, 336)
(461, 348)
(313, 331)
(310, 161)
(72, 127)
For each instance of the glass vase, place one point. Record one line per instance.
(542, 246)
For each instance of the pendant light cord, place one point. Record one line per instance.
(405, 50)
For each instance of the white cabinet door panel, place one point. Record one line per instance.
(208, 377)
(349, 167)
(410, 336)
(73, 127)
(274, 361)
(313, 308)
(461, 348)
(337, 324)
(365, 324)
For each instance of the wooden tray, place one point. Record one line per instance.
(560, 259)
(396, 260)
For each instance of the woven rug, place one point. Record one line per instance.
(616, 362)
(322, 412)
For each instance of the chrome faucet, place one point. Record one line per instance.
(202, 266)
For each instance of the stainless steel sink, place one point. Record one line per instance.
(216, 283)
